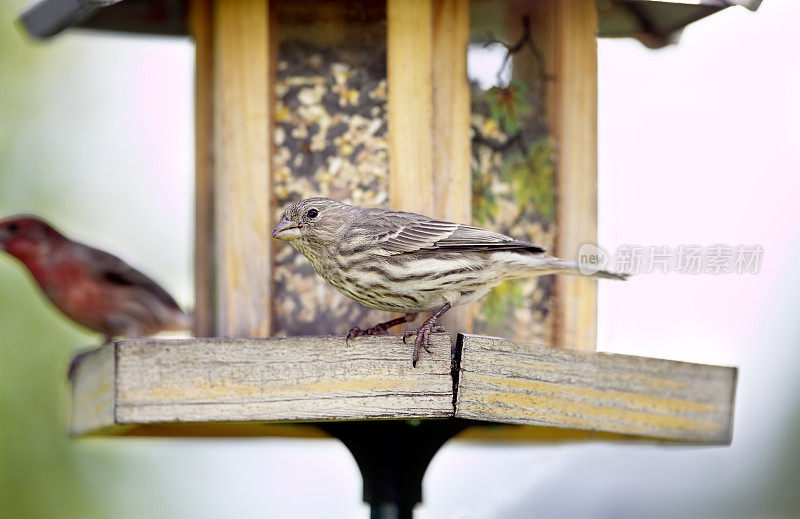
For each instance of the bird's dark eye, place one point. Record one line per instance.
(312, 213)
(13, 227)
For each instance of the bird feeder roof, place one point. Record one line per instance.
(654, 22)
(657, 23)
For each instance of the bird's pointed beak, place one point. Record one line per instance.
(286, 230)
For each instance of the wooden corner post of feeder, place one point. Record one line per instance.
(372, 102)
(235, 70)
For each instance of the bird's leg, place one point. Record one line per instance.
(378, 329)
(424, 332)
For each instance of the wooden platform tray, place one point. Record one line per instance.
(254, 387)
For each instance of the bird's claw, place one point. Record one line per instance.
(421, 341)
(378, 329)
(423, 332)
(434, 329)
(355, 331)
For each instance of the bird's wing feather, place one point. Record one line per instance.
(413, 233)
(112, 269)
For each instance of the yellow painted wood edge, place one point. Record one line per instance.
(478, 433)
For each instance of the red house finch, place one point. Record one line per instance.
(91, 287)
(409, 263)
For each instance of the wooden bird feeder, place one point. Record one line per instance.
(372, 102)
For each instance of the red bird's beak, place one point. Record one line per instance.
(286, 230)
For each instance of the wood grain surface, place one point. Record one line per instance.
(240, 386)
(504, 381)
(243, 81)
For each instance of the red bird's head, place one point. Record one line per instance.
(27, 238)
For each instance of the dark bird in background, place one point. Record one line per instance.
(409, 263)
(93, 288)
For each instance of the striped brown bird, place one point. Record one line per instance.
(409, 263)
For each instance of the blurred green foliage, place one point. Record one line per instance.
(528, 171)
(39, 470)
(506, 297)
(484, 201)
(531, 176)
(509, 105)
(43, 473)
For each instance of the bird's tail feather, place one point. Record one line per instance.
(562, 266)
(541, 264)
(180, 320)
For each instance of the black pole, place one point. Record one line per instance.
(393, 456)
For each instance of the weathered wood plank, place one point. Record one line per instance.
(247, 387)
(410, 107)
(575, 132)
(93, 390)
(242, 44)
(282, 379)
(503, 381)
